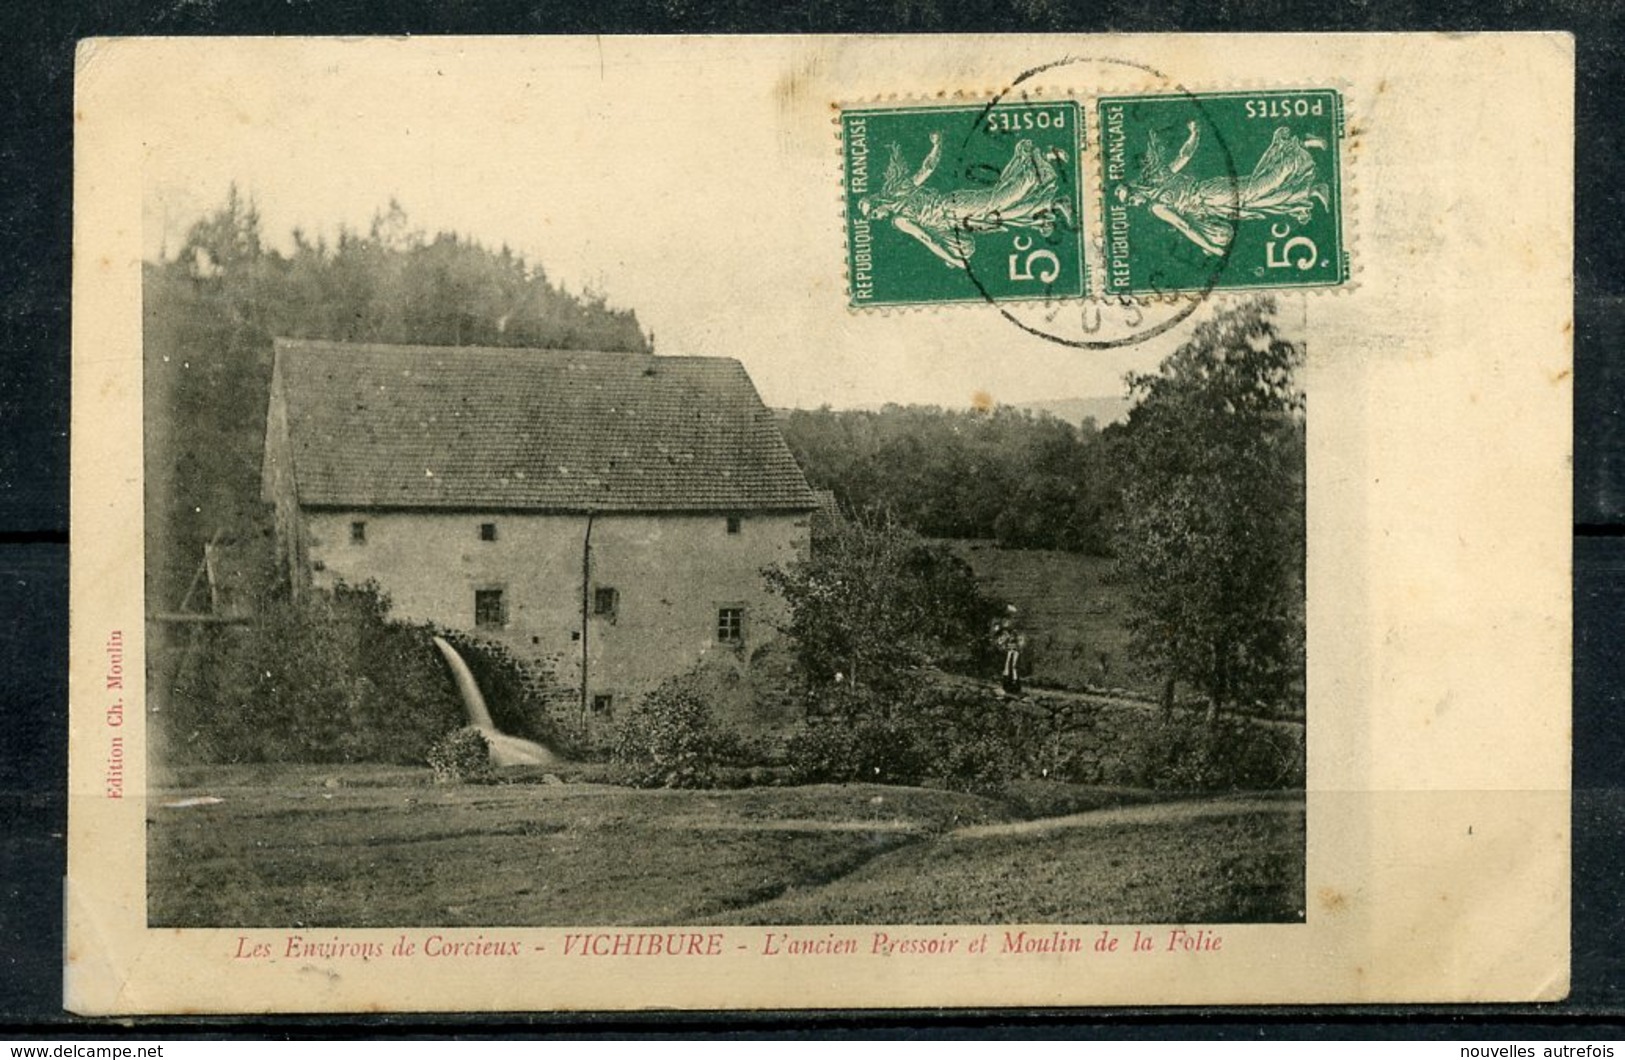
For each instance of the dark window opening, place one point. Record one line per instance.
(731, 625)
(733, 524)
(488, 610)
(358, 533)
(605, 602)
(488, 531)
(603, 704)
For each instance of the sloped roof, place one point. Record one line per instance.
(486, 428)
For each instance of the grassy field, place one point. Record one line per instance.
(307, 847)
(1207, 862)
(1072, 612)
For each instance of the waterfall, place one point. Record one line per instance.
(467, 687)
(505, 750)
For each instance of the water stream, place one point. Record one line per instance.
(505, 750)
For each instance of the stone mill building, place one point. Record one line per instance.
(605, 514)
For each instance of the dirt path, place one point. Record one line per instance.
(1039, 696)
(1148, 813)
(924, 869)
(1153, 813)
(793, 824)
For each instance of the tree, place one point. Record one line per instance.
(875, 602)
(870, 609)
(1210, 539)
(330, 678)
(1026, 480)
(225, 241)
(210, 315)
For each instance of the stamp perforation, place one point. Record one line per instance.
(1014, 177)
(1270, 219)
(1349, 184)
(1092, 183)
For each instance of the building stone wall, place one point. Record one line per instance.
(671, 574)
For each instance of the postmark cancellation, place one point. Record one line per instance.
(964, 203)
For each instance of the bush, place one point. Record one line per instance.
(963, 738)
(327, 679)
(978, 743)
(940, 733)
(979, 766)
(760, 697)
(840, 750)
(462, 756)
(873, 603)
(669, 740)
(1187, 753)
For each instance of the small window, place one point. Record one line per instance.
(358, 533)
(488, 610)
(488, 531)
(606, 602)
(731, 625)
(603, 704)
(733, 524)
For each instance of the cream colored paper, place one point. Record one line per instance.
(1439, 456)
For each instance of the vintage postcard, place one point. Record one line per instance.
(571, 524)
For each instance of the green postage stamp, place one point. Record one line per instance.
(963, 202)
(1222, 191)
(1196, 192)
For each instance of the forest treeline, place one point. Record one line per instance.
(1026, 480)
(212, 309)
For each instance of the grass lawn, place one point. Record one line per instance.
(1187, 863)
(362, 846)
(1073, 614)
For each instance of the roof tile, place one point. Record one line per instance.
(482, 427)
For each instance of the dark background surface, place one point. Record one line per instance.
(36, 87)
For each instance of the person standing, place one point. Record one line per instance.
(1010, 642)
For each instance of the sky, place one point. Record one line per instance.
(697, 182)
